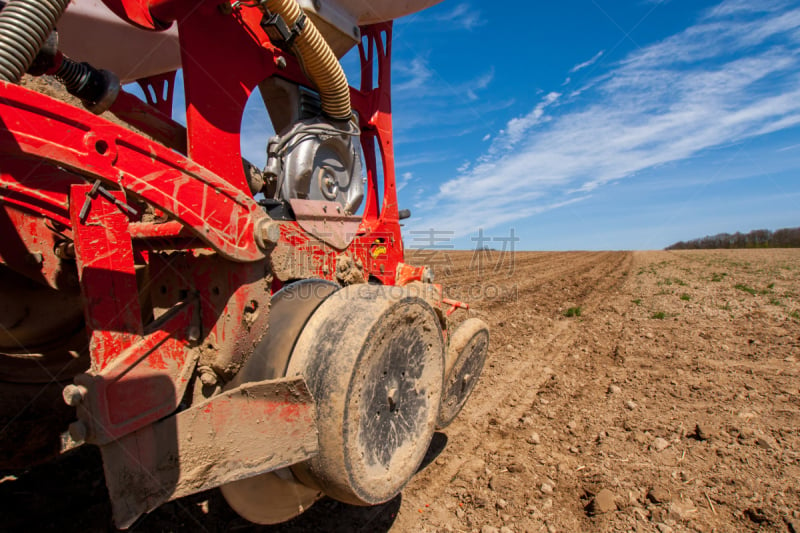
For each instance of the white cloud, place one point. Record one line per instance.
(787, 148)
(462, 16)
(479, 84)
(421, 158)
(405, 179)
(414, 75)
(737, 7)
(587, 63)
(732, 76)
(518, 127)
(416, 79)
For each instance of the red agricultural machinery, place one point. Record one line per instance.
(204, 322)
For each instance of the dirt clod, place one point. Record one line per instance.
(682, 510)
(534, 439)
(659, 444)
(658, 495)
(756, 515)
(764, 443)
(603, 502)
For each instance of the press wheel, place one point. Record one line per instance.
(466, 354)
(373, 358)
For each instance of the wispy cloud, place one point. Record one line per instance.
(788, 148)
(518, 127)
(433, 108)
(732, 76)
(405, 179)
(416, 79)
(462, 16)
(738, 7)
(422, 158)
(479, 84)
(414, 75)
(588, 63)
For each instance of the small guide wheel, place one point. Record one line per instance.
(373, 357)
(466, 354)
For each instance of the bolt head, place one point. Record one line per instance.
(271, 232)
(74, 394)
(208, 378)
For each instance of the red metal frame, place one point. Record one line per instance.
(167, 257)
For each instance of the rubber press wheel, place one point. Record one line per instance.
(373, 358)
(276, 497)
(466, 354)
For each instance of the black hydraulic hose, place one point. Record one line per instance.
(24, 27)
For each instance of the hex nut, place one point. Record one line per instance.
(268, 234)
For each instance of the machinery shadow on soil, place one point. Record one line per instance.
(69, 494)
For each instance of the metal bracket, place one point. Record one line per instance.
(325, 221)
(252, 429)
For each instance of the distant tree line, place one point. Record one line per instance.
(760, 238)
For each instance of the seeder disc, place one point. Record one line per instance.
(269, 498)
(275, 497)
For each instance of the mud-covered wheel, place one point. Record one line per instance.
(466, 354)
(276, 497)
(373, 358)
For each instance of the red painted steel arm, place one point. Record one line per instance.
(37, 126)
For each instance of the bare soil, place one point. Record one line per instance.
(668, 401)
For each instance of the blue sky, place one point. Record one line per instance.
(598, 124)
(592, 124)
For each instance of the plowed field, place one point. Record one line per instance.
(668, 400)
